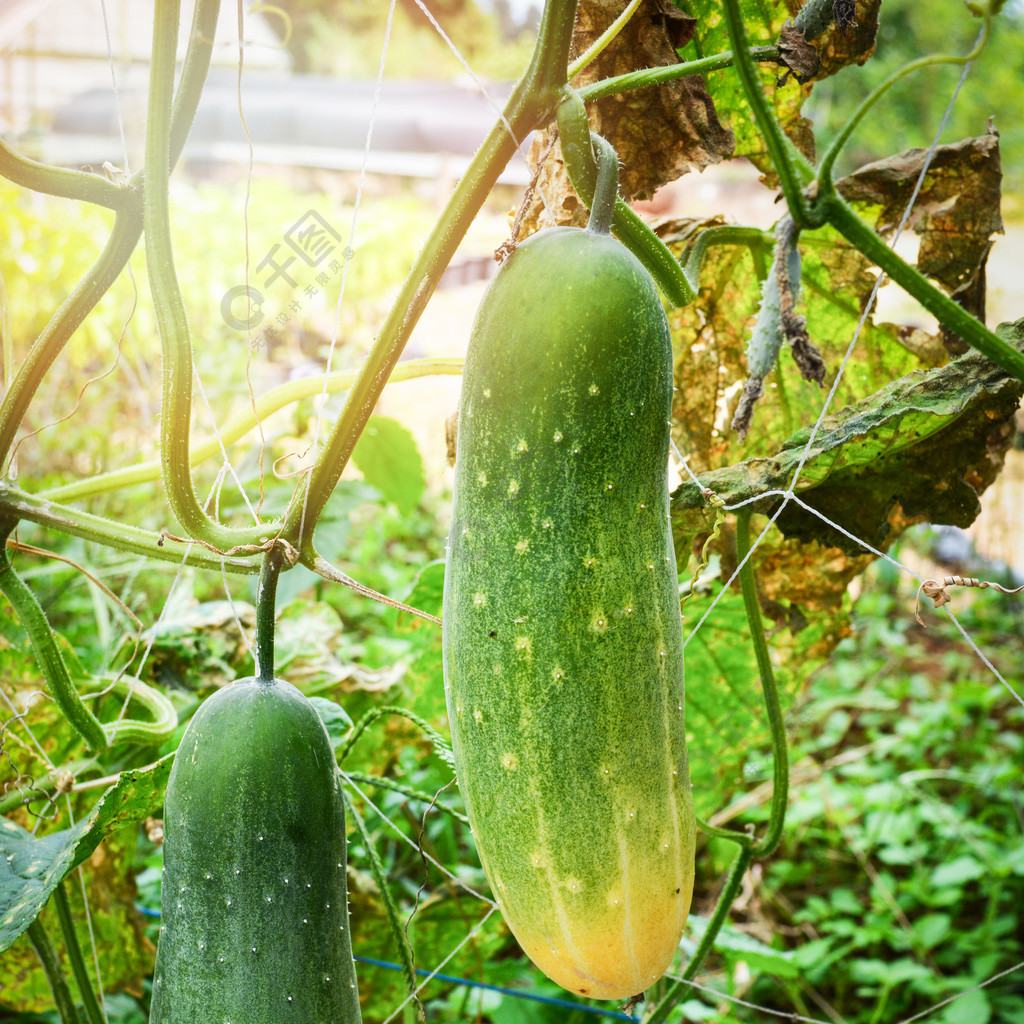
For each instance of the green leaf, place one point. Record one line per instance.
(957, 872)
(31, 867)
(970, 1008)
(389, 460)
(428, 588)
(933, 929)
(737, 945)
(335, 719)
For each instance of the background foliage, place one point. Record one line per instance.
(901, 875)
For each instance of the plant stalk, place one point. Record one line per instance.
(720, 915)
(93, 1013)
(266, 612)
(770, 692)
(55, 976)
(44, 647)
(531, 101)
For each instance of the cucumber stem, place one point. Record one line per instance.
(266, 612)
(55, 976)
(93, 1013)
(607, 188)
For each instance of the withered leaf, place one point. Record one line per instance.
(955, 213)
(851, 37)
(800, 56)
(659, 133)
(921, 448)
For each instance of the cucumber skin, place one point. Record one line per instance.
(562, 638)
(254, 856)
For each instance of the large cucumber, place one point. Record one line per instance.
(562, 635)
(255, 907)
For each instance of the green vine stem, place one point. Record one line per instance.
(604, 40)
(629, 228)
(126, 200)
(239, 425)
(749, 849)
(45, 649)
(55, 976)
(169, 308)
(949, 313)
(93, 1013)
(163, 718)
(719, 916)
(66, 320)
(835, 147)
(380, 877)
(439, 742)
(382, 782)
(18, 504)
(769, 692)
(266, 612)
(90, 187)
(532, 100)
(64, 182)
(740, 838)
(647, 77)
(793, 170)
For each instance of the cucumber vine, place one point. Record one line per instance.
(141, 206)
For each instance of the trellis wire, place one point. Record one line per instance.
(351, 239)
(787, 495)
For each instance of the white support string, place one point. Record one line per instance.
(350, 247)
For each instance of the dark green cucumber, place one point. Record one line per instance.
(562, 634)
(255, 910)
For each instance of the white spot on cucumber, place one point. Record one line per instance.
(593, 390)
(481, 479)
(547, 524)
(487, 392)
(522, 546)
(558, 435)
(522, 446)
(509, 761)
(524, 646)
(557, 673)
(478, 715)
(513, 488)
(480, 600)
(599, 622)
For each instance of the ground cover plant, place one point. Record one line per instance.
(202, 529)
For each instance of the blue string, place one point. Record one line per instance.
(514, 993)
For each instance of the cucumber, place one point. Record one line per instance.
(255, 909)
(562, 639)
